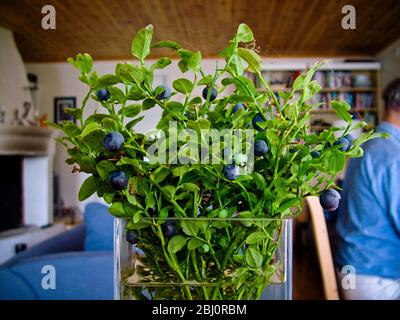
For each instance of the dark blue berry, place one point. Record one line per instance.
(103, 94)
(237, 107)
(113, 141)
(165, 94)
(260, 148)
(131, 237)
(315, 154)
(257, 118)
(118, 180)
(213, 94)
(344, 143)
(231, 172)
(330, 199)
(152, 211)
(169, 228)
(349, 137)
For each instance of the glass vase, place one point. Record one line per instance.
(202, 259)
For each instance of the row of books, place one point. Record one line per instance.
(326, 79)
(358, 101)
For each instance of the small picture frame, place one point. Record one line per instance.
(60, 104)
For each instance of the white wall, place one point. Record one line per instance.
(390, 60)
(61, 80)
(13, 77)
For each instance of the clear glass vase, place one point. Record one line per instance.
(202, 259)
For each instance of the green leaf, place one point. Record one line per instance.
(107, 81)
(83, 62)
(92, 126)
(161, 63)
(253, 258)
(341, 108)
(129, 126)
(194, 243)
(207, 80)
(131, 111)
(104, 168)
(117, 94)
(148, 104)
(141, 43)
(298, 82)
(334, 160)
(256, 237)
(135, 94)
(75, 112)
(137, 216)
(312, 89)
(235, 98)
(287, 204)
(190, 187)
(252, 58)
(194, 63)
(140, 225)
(260, 181)
(184, 86)
(160, 174)
(244, 33)
(167, 44)
(191, 228)
(176, 244)
(89, 186)
(140, 185)
(117, 209)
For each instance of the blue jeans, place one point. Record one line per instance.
(368, 287)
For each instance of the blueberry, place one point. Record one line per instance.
(315, 154)
(139, 251)
(152, 211)
(349, 137)
(169, 228)
(231, 172)
(257, 118)
(330, 199)
(223, 242)
(131, 237)
(260, 148)
(103, 94)
(213, 94)
(240, 159)
(345, 144)
(118, 180)
(237, 107)
(204, 248)
(165, 94)
(113, 141)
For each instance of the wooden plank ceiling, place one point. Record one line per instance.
(104, 28)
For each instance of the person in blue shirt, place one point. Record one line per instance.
(368, 225)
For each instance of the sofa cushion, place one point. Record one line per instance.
(66, 276)
(99, 228)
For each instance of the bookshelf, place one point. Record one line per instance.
(356, 82)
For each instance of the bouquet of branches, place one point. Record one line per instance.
(205, 193)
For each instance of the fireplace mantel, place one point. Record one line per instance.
(25, 141)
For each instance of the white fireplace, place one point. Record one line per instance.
(30, 149)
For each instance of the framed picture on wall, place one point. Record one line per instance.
(60, 104)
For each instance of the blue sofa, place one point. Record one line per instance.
(82, 259)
